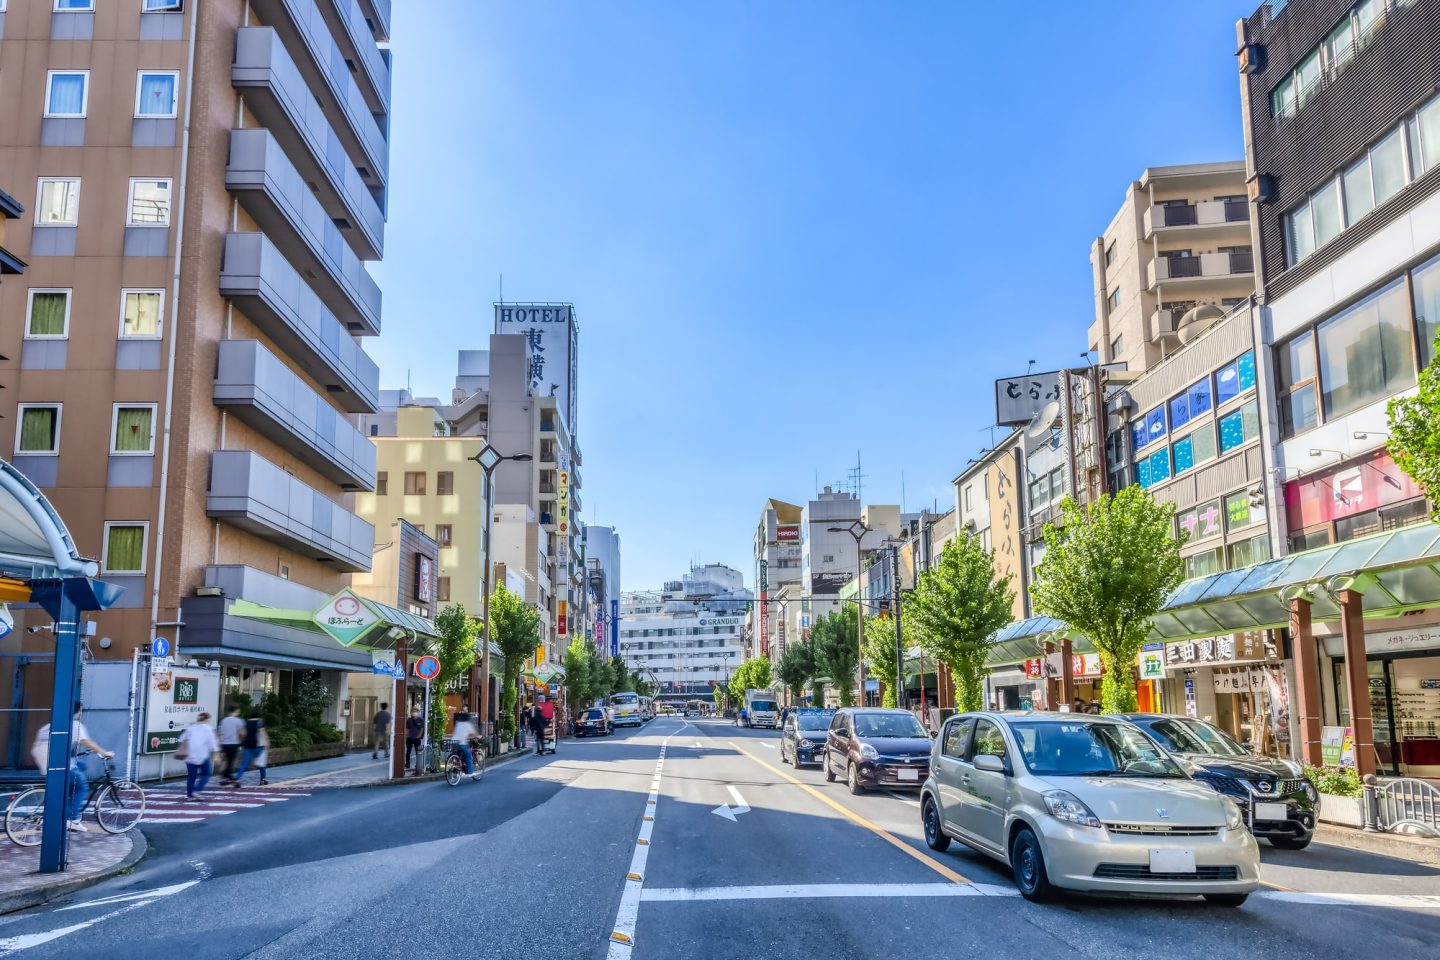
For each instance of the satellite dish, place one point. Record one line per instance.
(1044, 421)
(1196, 320)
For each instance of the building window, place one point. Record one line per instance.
(1365, 352)
(67, 93)
(39, 433)
(1192, 403)
(1200, 522)
(140, 314)
(443, 590)
(124, 549)
(57, 202)
(149, 6)
(1240, 427)
(415, 484)
(1318, 67)
(382, 484)
(1204, 564)
(134, 433)
(61, 6)
(48, 316)
(149, 203)
(1425, 281)
(442, 534)
(1110, 254)
(1234, 378)
(1117, 346)
(445, 484)
(1295, 374)
(155, 93)
(1195, 448)
(1241, 513)
(1115, 298)
(1249, 552)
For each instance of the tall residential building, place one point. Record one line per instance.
(688, 637)
(210, 180)
(1177, 249)
(777, 563)
(831, 556)
(602, 580)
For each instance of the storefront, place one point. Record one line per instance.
(1238, 682)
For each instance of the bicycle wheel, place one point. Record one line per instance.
(454, 769)
(481, 755)
(120, 806)
(25, 817)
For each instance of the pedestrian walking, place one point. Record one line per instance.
(538, 722)
(254, 748)
(414, 735)
(382, 732)
(197, 748)
(77, 785)
(232, 731)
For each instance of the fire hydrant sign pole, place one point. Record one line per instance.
(427, 669)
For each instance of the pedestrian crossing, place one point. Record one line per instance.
(170, 806)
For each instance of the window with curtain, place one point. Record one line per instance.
(1365, 352)
(57, 203)
(155, 94)
(149, 203)
(125, 548)
(1426, 282)
(39, 430)
(1249, 552)
(133, 429)
(1299, 234)
(1204, 564)
(66, 94)
(141, 314)
(49, 314)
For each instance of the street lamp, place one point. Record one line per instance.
(488, 458)
(857, 529)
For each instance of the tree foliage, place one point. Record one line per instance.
(456, 648)
(579, 673)
(837, 651)
(796, 666)
(515, 629)
(753, 674)
(956, 606)
(880, 653)
(1415, 432)
(1107, 571)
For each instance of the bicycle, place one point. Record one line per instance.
(118, 805)
(455, 762)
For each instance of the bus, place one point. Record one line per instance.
(647, 709)
(624, 709)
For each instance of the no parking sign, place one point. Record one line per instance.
(427, 668)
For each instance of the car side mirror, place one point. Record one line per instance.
(990, 763)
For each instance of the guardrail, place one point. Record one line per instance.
(1402, 805)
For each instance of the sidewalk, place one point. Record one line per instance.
(354, 769)
(94, 856)
(1402, 846)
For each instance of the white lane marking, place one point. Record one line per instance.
(768, 746)
(1400, 900)
(726, 811)
(904, 799)
(175, 819)
(131, 901)
(811, 891)
(155, 894)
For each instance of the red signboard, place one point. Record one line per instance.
(787, 533)
(1346, 490)
(1035, 668)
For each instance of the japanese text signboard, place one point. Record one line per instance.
(552, 337)
(175, 700)
(346, 617)
(1003, 483)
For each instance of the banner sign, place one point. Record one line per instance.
(552, 337)
(787, 533)
(614, 628)
(562, 620)
(1250, 647)
(1152, 661)
(176, 699)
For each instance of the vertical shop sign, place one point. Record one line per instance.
(1005, 542)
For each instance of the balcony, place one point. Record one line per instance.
(272, 191)
(253, 494)
(1206, 218)
(377, 18)
(268, 290)
(357, 45)
(1206, 267)
(306, 35)
(258, 388)
(276, 93)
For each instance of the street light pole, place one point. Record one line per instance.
(899, 633)
(857, 530)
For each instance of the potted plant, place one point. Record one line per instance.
(1342, 795)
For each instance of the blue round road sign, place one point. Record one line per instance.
(160, 647)
(427, 668)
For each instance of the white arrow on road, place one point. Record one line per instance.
(727, 811)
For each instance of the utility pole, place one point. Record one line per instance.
(899, 631)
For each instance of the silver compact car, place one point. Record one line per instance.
(1084, 803)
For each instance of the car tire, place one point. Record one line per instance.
(852, 780)
(1291, 843)
(829, 770)
(1028, 862)
(1226, 899)
(935, 836)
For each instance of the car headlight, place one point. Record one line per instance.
(1234, 819)
(1064, 805)
(868, 752)
(807, 743)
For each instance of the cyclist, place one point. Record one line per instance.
(465, 735)
(78, 785)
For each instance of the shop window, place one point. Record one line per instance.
(1234, 378)
(1204, 564)
(1384, 518)
(1310, 539)
(1365, 352)
(1295, 373)
(1249, 552)
(1200, 521)
(1240, 512)
(1426, 283)
(1240, 427)
(1190, 404)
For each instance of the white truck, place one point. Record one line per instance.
(761, 710)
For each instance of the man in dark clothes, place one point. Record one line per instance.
(414, 735)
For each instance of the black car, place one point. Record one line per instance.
(1278, 803)
(802, 737)
(872, 747)
(593, 721)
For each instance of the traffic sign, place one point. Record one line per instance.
(427, 668)
(160, 647)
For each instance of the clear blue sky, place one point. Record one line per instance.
(791, 230)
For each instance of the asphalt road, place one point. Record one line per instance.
(532, 863)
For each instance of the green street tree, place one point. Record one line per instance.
(602, 678)
(1107, 571)
(515, 629)
(881, 656)
(753, 674)
(620, 674)
(456, 649)
(1415, 432)
(836, 640)
(955, 608)
(579, 681)
(795, 667)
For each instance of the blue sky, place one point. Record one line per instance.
(791, 230)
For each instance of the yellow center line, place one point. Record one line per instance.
(855, 818)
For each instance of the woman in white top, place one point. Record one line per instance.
(198, 745)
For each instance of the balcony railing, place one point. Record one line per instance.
(1213, 266)
(356, 36)
(1206, 213)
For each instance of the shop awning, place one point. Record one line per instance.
(1021, 640)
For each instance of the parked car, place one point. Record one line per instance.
(593, 721)
(1084, 803)
(872, 747)
(1277, 801)
(802, 738)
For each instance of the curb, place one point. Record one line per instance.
(1384, 844)
(25, 899)
(427, 778)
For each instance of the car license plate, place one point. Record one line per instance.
(907, 775)
(1172, 861)
(1271, 811)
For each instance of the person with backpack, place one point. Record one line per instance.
(197, 747)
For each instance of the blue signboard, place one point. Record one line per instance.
(160, 647)
(614, 628)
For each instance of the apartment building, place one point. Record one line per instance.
(777, 554)
(836, 532)
(1178, 251)
(688, 636)
(209, 180)
(602, 578)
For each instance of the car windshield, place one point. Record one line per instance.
(1194, 736)
(888, 725)
(762, 705)
(1068, 749)
(806, 722)
(594, 714)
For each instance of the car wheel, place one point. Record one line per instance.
(935, 836)
(829, 770)
(1292, 843)
(1028, 862)
(852, 778)
(1226, 899)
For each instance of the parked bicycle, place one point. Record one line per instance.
(455, 753)
(118, 806)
